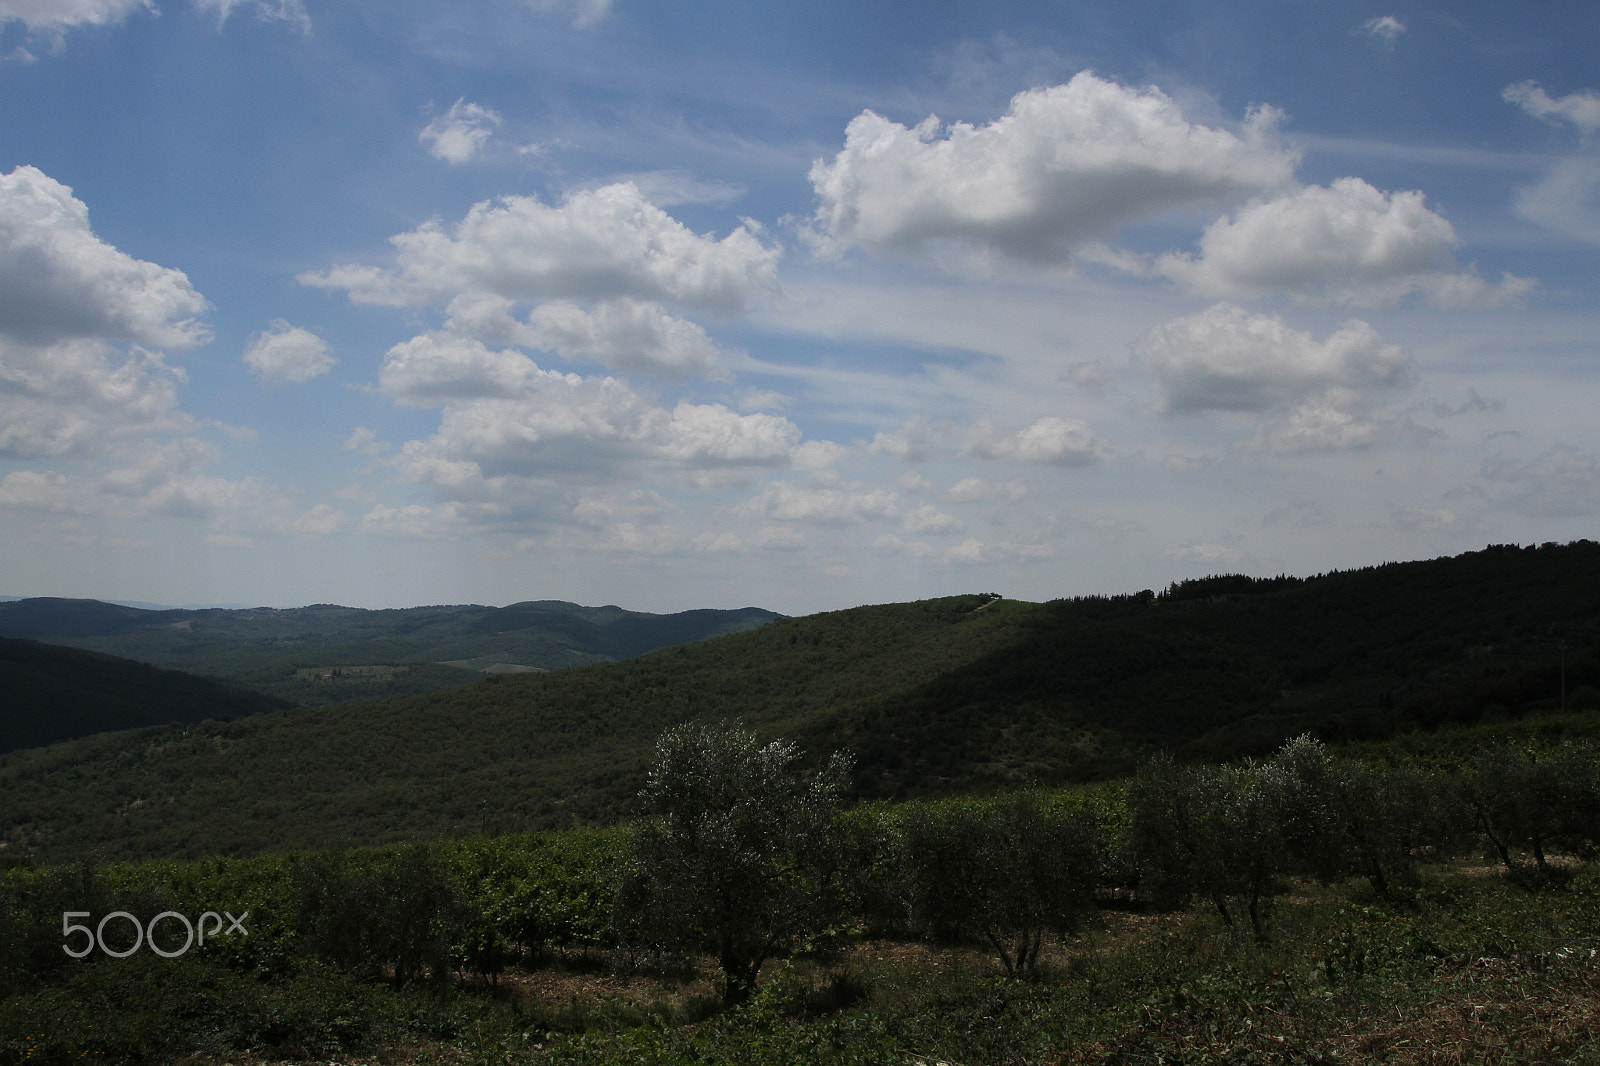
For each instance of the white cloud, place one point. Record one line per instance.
(1088, 375)
(762, 400)
(1062, 441)
(1566, 200)
(1063, 166)
(970, 551)
(564, 426)
(1206, 553)
(712, 435)
(291, 12)
(1226, 359)
(1347, 244)
(1581, 108)
(585, 13)
(362, 439)
(166, 479)
(599, 244)
(1385, 28)
(782, 501)
(433, 369)
(53, 15)
(624, 334)
(288, 353)
(1335, 421)
(668, 188)
(460, 133)
(1562, 482)
(59, 281)
(929, 519)
(414, 521)
(910, 443)
(75, 397)
(976, 489)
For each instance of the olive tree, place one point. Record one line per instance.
(1341, 817)
(1536, 801)
(737, 854)
(1213, 831)
(1006, 871)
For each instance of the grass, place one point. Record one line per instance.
(1472, 968)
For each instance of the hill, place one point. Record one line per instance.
(326, 654)
(54, 693)
(942, 695)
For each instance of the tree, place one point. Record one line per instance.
(738, 854)
(1006, 871)
(1538, 802)
(1341, 817)
(1213, 831)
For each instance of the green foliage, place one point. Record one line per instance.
(734, 857)
(1537, 801)
(374, 913)
(1008, 871)
(941, 696)
(55, 694)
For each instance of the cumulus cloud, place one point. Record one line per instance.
(929, 519)
(1347, 243)
(625, 334)
(1581, 108)
(1336, 421)
(1088, 375)
(911, 442)
(1064, 165)
(68, 304)
(1226, 359)
(73, 398)
(460, 133)
(783, 501)
(1385, 28)
(1062, 441)
(567, 427)
(167, 479)
(286, 353)
(59, 281)
(598, 244)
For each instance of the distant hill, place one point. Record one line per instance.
(330, 654)
(953, 694)
(54, 693)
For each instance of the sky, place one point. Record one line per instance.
(799, 306)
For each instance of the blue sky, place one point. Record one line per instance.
(794, 305)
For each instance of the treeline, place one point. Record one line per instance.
(1012, 873)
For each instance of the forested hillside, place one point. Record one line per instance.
(326, 654)
(938, 696)
(53, 693)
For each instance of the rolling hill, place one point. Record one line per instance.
(330, 654)
(953, 694)
(54, 693)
